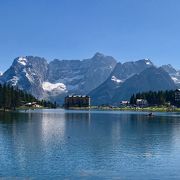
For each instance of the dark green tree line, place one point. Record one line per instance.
(12, 97)
(155, 98)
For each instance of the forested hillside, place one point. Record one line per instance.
(12, 98)
(156, 98)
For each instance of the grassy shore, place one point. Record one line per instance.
(107, 108)
(147, 109)
(29, 108)
(22, 108)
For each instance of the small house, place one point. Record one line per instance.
(124, 103)
(141, 102)
(32, 104)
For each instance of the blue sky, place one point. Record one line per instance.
(76, 29)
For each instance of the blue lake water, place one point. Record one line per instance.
(59, 144)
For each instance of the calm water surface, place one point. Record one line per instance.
(62, 144)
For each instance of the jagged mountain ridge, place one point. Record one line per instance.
(105, 92)
(100, 76)
(175, 74)
(59, 77)
(28, 73)
(128, 69)
(81, 76)
(151, 78)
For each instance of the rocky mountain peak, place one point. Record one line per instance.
(146, 61)
(59, 77)
(168, 68)
(100, 74)
(22, 61)
(98, 55)
(103, 58)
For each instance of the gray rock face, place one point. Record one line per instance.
(128, 69)
(1, 73)
(151, 78)
(105, 80)
(81, 76)
(27, 73)
(59, 77)
(105, 92)
(175, 74)
(169, 69)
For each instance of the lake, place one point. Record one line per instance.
(61, 144)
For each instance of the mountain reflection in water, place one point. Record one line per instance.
(83, 144)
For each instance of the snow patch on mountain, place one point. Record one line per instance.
(28, 76)
(58, 87)
(148, 62)
(1, 73)
(115, 79)
(14, 80)
(176, 78)
(22, 61)
(175, 74)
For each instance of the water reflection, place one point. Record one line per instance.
(84, 143)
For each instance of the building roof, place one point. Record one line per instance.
(78, 96)
(141, 100)
(124, 102)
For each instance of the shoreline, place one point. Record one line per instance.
(23, 108)
(147, 109)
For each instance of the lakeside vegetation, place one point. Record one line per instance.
(12, 98)
(160, 101)
(159, 98)
(129, 108)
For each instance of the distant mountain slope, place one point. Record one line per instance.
(128, 69)
(28, 73)
(100, 76)
(81, 76)
(59, 77)
(150, 79)
(119, 75)
(175, 74)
